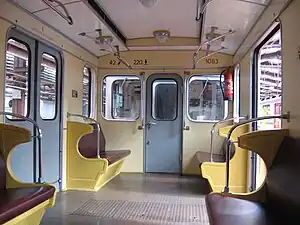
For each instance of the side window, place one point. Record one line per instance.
(121, 97)
(269, 81)
(86, 95)
(205, 99)
(16, 78)
(236, 99)
(48, 80)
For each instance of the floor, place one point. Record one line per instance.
(135, 199)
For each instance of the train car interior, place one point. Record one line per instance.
(167, 112)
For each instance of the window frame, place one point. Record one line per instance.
(90, 90)
(101, 97)
(28, 77)
(226, 110)
(237, 93)
(56, 85)
(254, 101)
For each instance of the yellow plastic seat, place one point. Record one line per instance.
(85, 173)
(20, 203)
(215, 172)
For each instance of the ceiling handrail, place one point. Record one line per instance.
(67, 17)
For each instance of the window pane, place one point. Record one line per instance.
(48, 87)
(164, 99)
(206, 102)
(121, 97)
(86, 98)
(16, 78)
(270, 82)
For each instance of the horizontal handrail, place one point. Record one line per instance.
(212, 131)
(229, 142)
(38, 136)
(98, 128)
(66, 17)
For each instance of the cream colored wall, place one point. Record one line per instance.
(74, 58)
(125, 135)
(291, 65)
(290, 70)
(245, 84)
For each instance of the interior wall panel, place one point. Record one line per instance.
(125, 135)
(291, 65)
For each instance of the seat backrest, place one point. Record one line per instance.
(2, 173)
(283, 181)
(87, 145)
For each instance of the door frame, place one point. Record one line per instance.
(13, 32)
(144, 97)
(254, 101)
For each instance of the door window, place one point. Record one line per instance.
(48, 80)
(16, 78)
(164, 99)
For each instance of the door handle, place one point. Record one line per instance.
(150, 124)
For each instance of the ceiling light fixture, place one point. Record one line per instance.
(106, 40)
(162, 36)
(148, 3)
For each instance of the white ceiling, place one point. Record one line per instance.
(178, 16)
(232, 15)
(136, 21)
(84, 21)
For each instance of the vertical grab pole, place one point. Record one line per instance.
(286, 116)
(39, 137)
(98, 128)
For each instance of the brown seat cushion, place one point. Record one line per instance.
(283, 181)
(282, 205)
(2, 173)
(114, 156)
(87, 145)
(14, 202)
(232, 211)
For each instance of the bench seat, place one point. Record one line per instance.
(20, 203)
(277, 202)
(16, 201)
(114, 156)
(85, 171)
(111, 156)
(224, 210)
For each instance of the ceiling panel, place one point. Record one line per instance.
(85, 21)
(136, 21)
(36, 5)
(232, 15)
